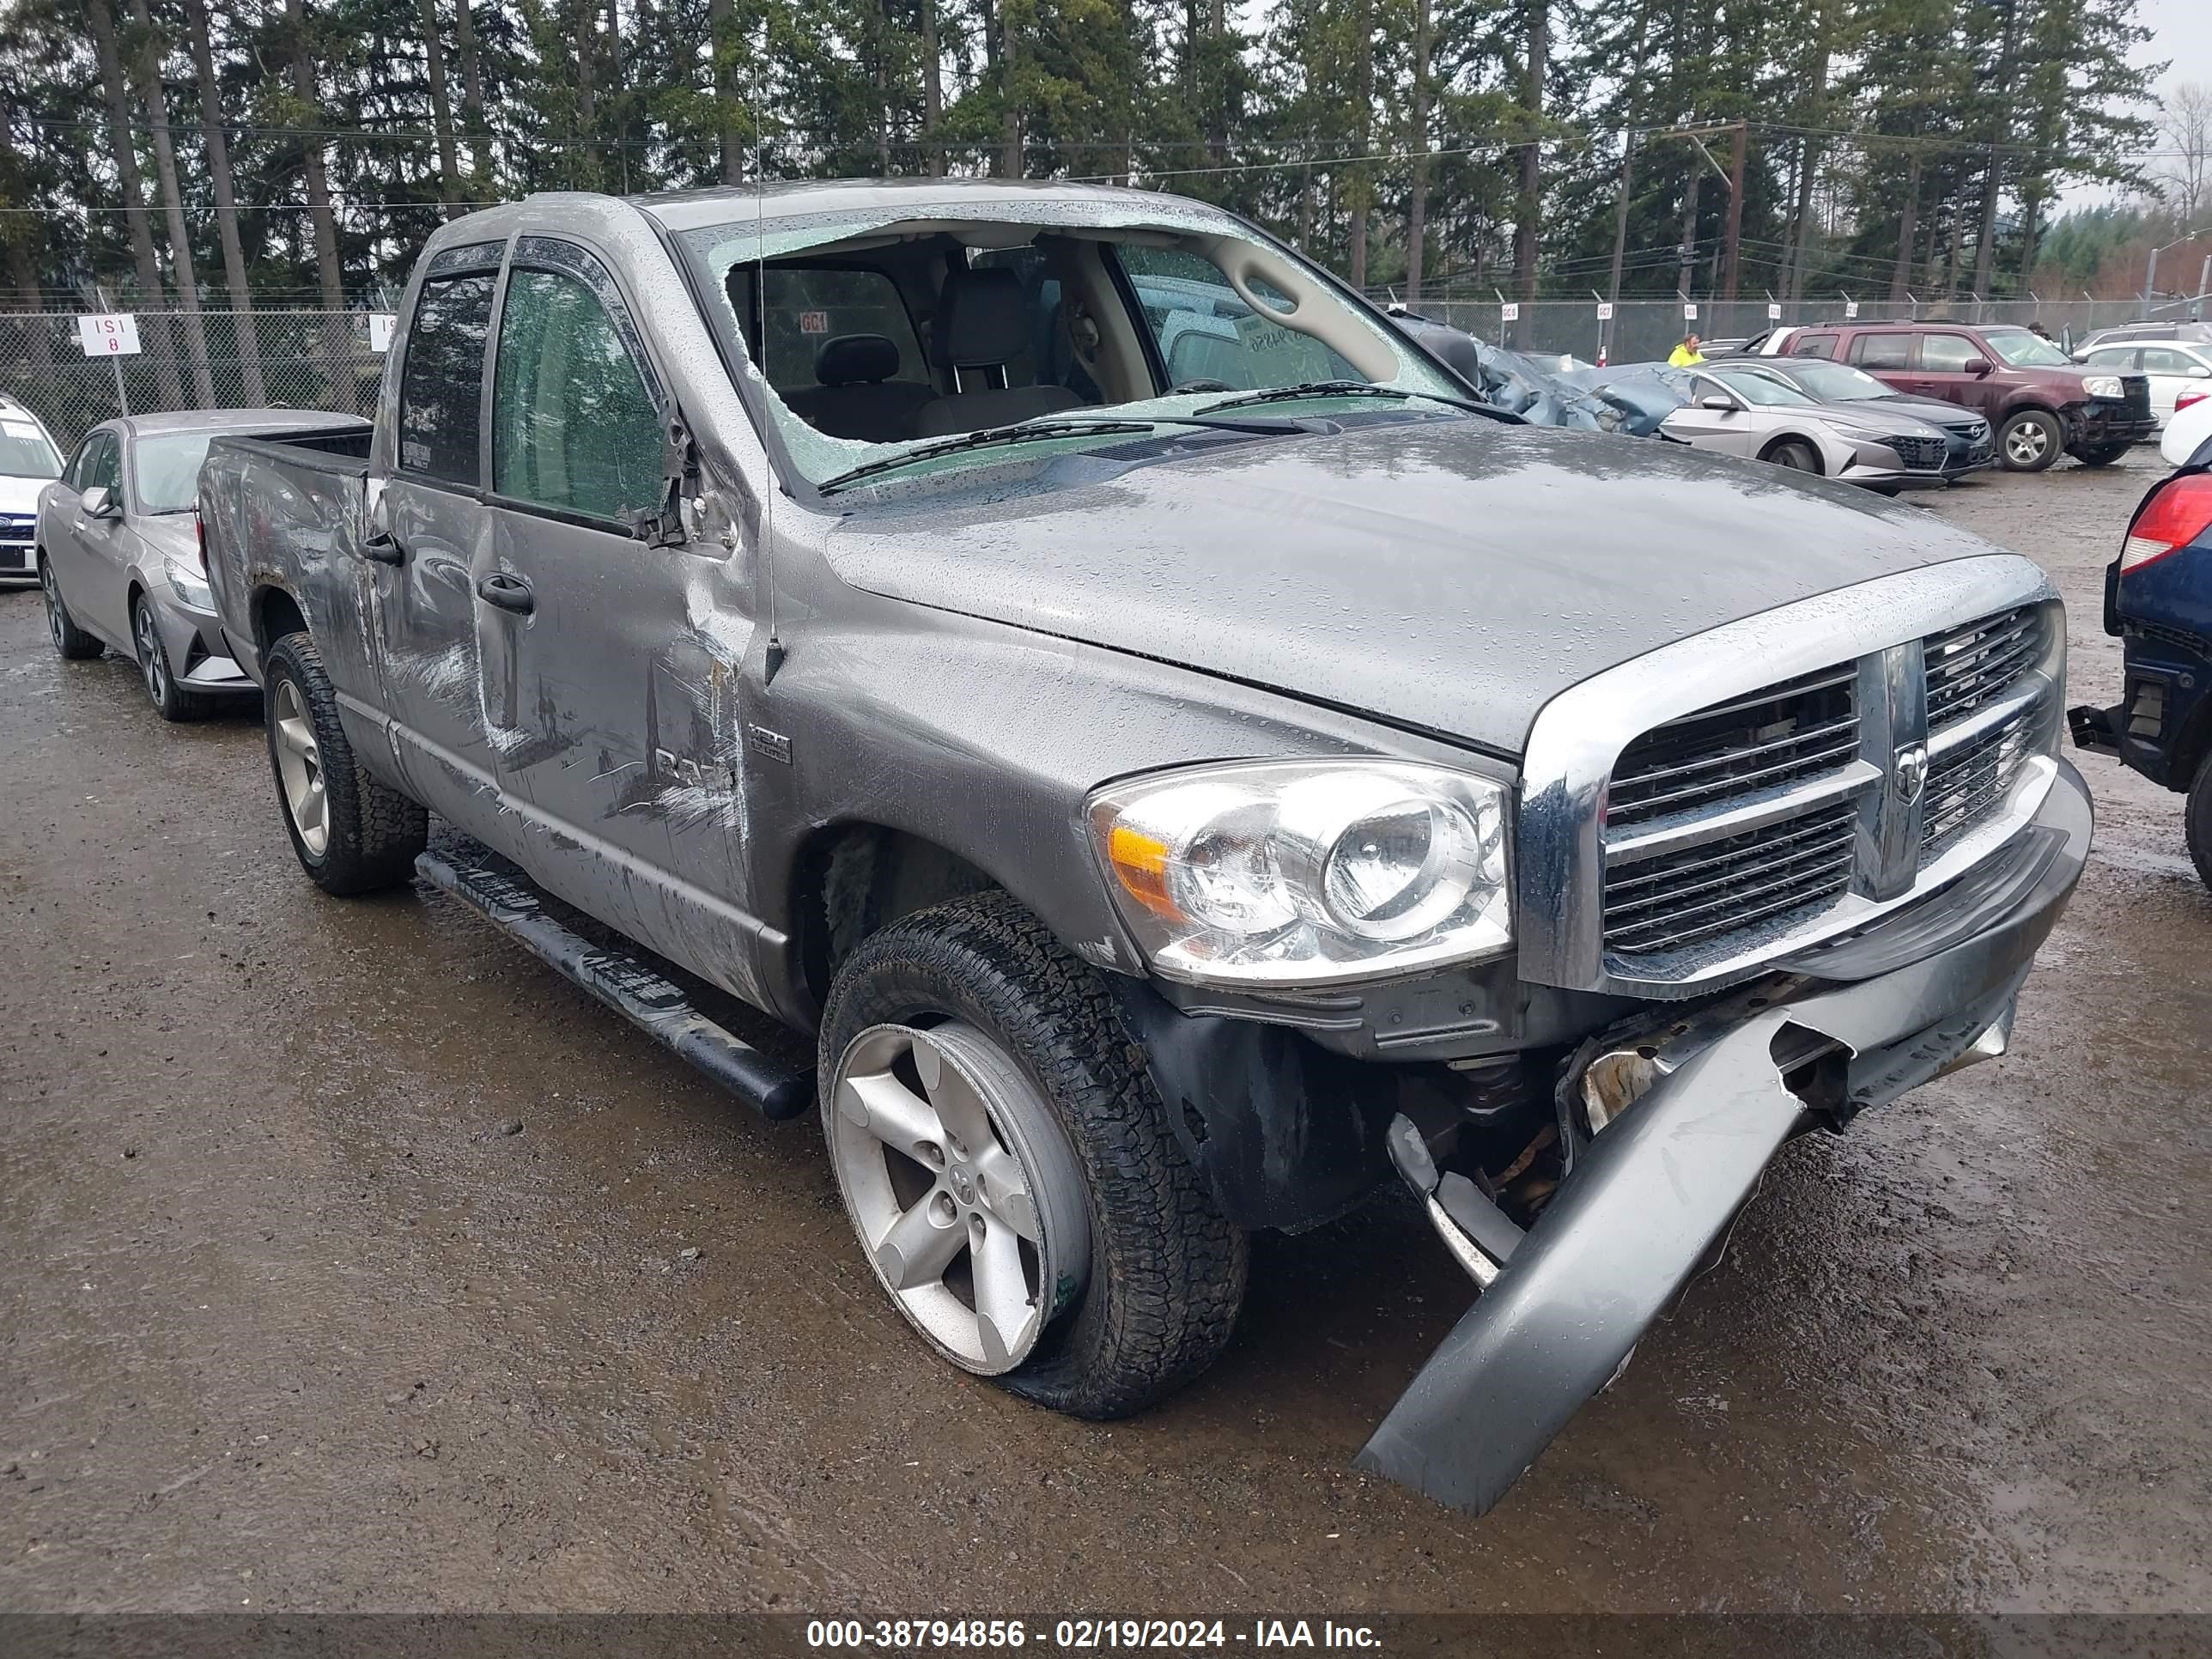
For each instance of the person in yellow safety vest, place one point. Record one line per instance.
(1686, 355)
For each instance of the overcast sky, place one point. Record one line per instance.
(2181, 37)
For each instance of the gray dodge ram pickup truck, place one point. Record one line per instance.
(1179, 757)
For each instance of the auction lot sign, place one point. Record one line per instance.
(109, 334)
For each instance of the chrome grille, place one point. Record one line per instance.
(1971, 666)
(1768, 740)
(1743, 824)
(1722, 888)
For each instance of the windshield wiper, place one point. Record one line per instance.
(1023, 432)
(1283, 394)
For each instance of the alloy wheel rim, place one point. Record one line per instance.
(300, 767)
(964, 1193)
(2027, 442)
(149, 655)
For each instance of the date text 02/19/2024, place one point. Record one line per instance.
(1082, 1635)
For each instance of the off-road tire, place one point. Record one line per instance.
(1794, 455)
(1167, 1269)
(2054, 441)
(2197, 819)
(74, 644)
(2103, 455)
(376, 831)
(171, 701)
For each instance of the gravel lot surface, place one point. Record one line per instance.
(288, 1322)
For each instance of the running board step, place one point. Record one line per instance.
(627, 982)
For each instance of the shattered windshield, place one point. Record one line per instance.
(877, 334)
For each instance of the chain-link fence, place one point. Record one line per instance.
(208, 360)
(1640, 331)
(324, 360)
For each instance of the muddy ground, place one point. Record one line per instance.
(287, 1323)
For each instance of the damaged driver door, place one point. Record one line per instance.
(618, 712)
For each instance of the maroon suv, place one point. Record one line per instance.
(2039, 401)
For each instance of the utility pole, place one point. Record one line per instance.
(1619, 232)
(1731, 266)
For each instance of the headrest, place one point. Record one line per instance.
(856, 360)
(981, 319)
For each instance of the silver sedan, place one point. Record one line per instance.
(1740, 412)
(119, 555)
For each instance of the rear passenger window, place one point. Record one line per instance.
(575, 425)
(1813, 346)
(804, 307)
(442, 381)
(1882, 350)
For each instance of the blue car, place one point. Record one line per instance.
(2157, 599)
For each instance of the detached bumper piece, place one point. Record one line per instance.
(632, 985)
(1927, 990)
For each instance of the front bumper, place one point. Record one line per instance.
(199, 656)
(18, 566)
(1852, 1024)
(2099, 425)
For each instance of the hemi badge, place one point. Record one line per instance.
(774, 744)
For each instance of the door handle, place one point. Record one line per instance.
(508, 592)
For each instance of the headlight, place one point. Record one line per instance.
(1299, 872)
(1859, 434)
(188, 584)
(2103, 385)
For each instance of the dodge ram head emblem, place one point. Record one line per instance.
(1912, 773)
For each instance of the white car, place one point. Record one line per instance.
(2187, 432)
(2174, 368)
(29, 461)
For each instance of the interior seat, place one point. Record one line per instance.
(980, 339)
(856, 396)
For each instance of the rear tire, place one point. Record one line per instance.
(172, 700)
(2197, 819)
(74, 644)
(1162, 1275)
(1796, 455)
(2105, 455)
(350, 833)
(2031, 441)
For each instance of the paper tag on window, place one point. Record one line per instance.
(813, 322)
(22, 429)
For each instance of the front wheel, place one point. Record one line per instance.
(2197, 819)
(2031, 441)
(2103, 455)
(1010, 1168)
(351, 833)
(1795, 455)
(170, 699)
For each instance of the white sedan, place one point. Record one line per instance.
(2174, 368)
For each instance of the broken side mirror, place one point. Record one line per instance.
(669, 524)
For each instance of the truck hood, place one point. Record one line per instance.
(1449, 576)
